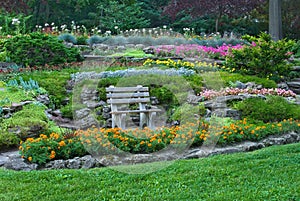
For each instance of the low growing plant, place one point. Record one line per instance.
(273, 109)
(51, 147)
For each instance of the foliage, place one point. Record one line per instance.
(55, 146)
(233, 77)
(218, 42)
(215, 8)
(37, 49)
(30, 116)
(273, 109)
(67, 37)
(265, 58)
(119, 16)
(96, 39)
(54, 82)
(8, 139)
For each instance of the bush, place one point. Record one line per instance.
(67, 37)
(273, 109)
(95, 39)
(37, 49)
(265, 58)
(51, 147)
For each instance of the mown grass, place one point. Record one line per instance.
(268, 174)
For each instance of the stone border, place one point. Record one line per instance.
(13, 161)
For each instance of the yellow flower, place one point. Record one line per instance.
(279, 125)
(29, 158)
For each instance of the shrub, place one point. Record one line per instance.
(51, 147)
(67, 37)
(265, 58)
(81, 40)
(37, 49)
(95, 39)
(273, 109)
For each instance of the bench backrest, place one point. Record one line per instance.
(127, 95)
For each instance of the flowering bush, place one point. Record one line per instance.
(115, 140)
(55, 146)
(201, 66)
(194, 51)
(210, 94)
(263, 58)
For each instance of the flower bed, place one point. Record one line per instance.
(194, 51)
(197, 65)
(116, 141)
(210, 94)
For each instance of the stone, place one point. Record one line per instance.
(88, 162)
(57, 164)
(92, 104)
(15, 162)
(44, 99)
(79, 114)
(227, 112)
(86, 122)
(74, 163)
(294, 85)
(283, 85)
(149, 50)
(193, 99)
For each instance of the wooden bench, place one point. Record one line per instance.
(120, 100)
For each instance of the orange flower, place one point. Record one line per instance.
(62, 143)
(52, 155)
(149, 145)
(142, 142)
(253, 131)
(279, 125)
(29, 158)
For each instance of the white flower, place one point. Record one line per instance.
(52, 24)
(116, 27)
(46, 24)
(99, 31)
(73, 22)
(40, 27)
(165, 26)
(0, 28)
(15, 21)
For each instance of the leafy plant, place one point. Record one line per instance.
(67, 37)
(55, 146)
(37, 49)
(273, 109)
(264, 57)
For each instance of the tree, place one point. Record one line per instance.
(213, 8)
(115, 14)
(14, 6)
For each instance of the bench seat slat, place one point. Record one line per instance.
(126, 89)
(135, 111)
(127, 95)
(128, 100)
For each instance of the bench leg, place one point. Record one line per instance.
(118, 120)
(150, 120)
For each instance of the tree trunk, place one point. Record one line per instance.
(275, 19)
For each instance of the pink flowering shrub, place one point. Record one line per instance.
(194, 51)
(210, 94)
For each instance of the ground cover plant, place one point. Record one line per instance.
(267, 174)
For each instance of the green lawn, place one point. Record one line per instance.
(268, 174)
